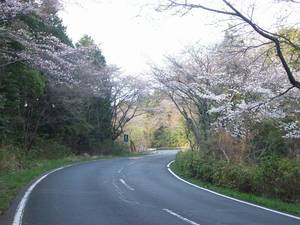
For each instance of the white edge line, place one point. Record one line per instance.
(21, 206)
(126, 185)
(224, 196)
(180, 217)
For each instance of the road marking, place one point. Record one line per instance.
(180, 217)
(234, 199)
(117, 189)
(120, 170)
(126, 185)
(20, 210)
(121, 195)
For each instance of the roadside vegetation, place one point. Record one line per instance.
(273, 183)
(160, 126)
(60, 102)
(240, 103)
(234, 104)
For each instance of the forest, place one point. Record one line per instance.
(234, 107)
(57, 97)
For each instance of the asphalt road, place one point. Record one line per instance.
(134, 191)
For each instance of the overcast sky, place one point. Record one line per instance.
(133, 34)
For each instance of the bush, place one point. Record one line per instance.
(234, 175)
(14, 157)
(204, 169)
(48, 150)
(273, 177)
(107, 147)
(279, 177)
(10, 158)
(268, 140)
(289, 184)
(184, 162)
(118, 148)
(222, 145)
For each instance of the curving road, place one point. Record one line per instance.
(134, 191)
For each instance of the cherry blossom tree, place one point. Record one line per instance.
(75, 81)
(127, 93)
(222, 88)
(242, 17)
(13, 8)
(42, 50)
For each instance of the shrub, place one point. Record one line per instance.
(267, 140)
(279, 177)
(273, 176)
(10, 158)
(48, 150)
(289, 184)
(107, 147)
(204, 169)
(118, 148)
(184, 161)
(222, 145)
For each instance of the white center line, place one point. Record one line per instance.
(120, 170)
(126, 185)
(180, 217)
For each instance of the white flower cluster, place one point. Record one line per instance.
(60, 62)
(292, 129)
(234, 90)
(11, 8)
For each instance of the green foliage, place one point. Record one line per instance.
(88, 41)
(82, 126)
(168, 137)
(48, 150)
(291, 51)
(267, 140)
(85, 41)
(279, 177)
(3, 120)
(161, 137)
(21, 83)
(184, 163)
(277, 204)
(46, 119)
(161, 125)
(42, 120)
(273, 177)
(53, 26)
(235, 176)
(10, 158)
(20, 89)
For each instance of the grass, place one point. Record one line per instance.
(12, 182)
(276, 204)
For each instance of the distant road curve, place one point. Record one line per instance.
(133, 191)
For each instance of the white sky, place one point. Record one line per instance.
(133, 34)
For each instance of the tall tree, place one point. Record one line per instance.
(227, 8)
